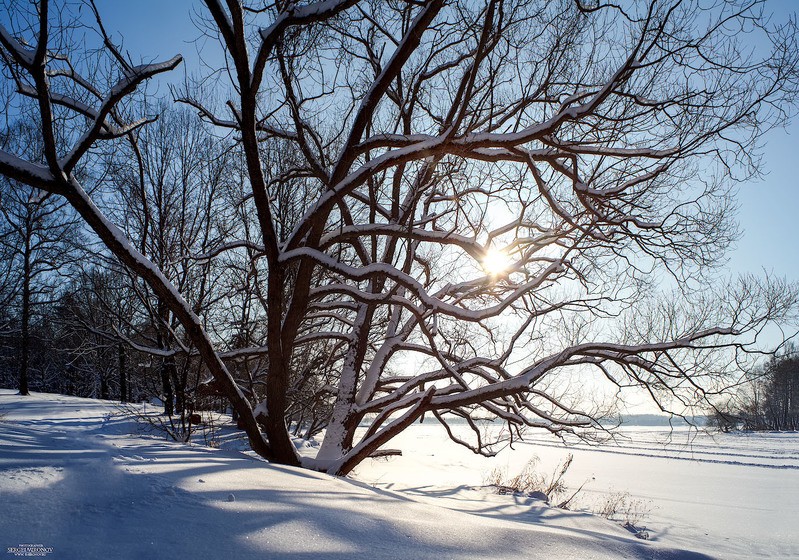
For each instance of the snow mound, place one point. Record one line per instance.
(89, 492)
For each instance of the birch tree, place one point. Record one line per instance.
(477, 205)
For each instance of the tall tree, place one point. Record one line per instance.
(481, 195)
(166, 190)
(779, 385)
(40, 238)
(767, 400)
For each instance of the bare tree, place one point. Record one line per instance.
(768, 401)
(166, 190)
(95, 317)
(488, 193)
(40, 239)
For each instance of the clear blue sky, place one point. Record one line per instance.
(769, 210)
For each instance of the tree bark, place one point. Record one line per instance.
(123, 374)
(166, 386)
(24, 360)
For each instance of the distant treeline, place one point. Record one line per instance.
(770, 402)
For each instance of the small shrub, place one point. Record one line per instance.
(723, 420)
(624, 509)
(209, 429)
(530, 481)
(178, 428)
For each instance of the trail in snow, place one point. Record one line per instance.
(685, 455)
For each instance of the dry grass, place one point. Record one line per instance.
(624, 509)
(530, 481)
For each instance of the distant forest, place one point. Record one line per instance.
(770, 402)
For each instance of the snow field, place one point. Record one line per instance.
(79, 477)
(731, 496)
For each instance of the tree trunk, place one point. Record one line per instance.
(123, 374)
(166, 385)
(167, 363)
(25, 327)
(104, 384)
(177, 388)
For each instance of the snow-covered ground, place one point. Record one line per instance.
(730, 496)
(79, 480)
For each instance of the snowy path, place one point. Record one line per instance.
(73, 479)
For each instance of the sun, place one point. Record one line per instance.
(496, 262)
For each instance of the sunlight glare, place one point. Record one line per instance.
(496, 262)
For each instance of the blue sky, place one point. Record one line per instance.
(769, 209)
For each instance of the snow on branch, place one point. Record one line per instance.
(27, 172)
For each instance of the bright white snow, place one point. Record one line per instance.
(79, 477)
(730, 496)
